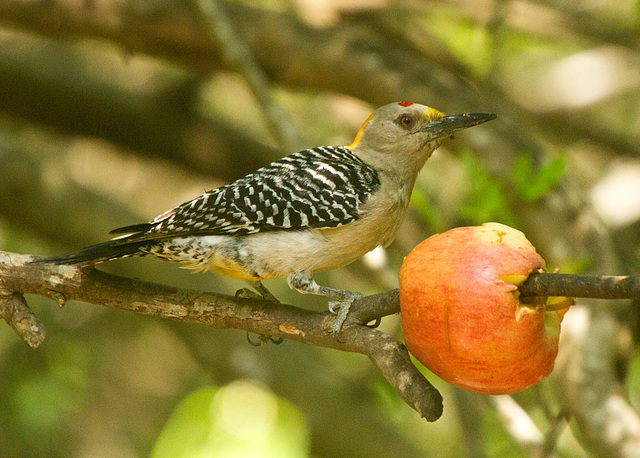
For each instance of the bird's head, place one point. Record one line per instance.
(403, 135)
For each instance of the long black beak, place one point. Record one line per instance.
(448, 124)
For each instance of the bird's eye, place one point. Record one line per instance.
(406, 121)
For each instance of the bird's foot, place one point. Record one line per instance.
(340, 308)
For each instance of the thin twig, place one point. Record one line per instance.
(516, 421)
(551, 437)
(470, 417)
(239, 56)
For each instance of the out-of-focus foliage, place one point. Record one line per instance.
(533, 185)
(110, 122)
(240, 419)
(486, 199)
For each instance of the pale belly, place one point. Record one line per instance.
(261, 256)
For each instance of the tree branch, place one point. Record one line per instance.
(62, 283)
(15, 311)
(18, 275)
(572, 285)
(348, 59)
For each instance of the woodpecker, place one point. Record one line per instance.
(312, 211)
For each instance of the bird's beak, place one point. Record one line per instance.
(446, 125)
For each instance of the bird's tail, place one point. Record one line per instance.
(106, 251)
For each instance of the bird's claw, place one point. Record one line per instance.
(342, 312)
(246, 293)
(263, 340)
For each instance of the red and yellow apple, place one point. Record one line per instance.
(461, 316)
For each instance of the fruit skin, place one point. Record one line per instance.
(460, 314)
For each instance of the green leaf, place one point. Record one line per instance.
(486, 199)
(532, 185)
(428, 213)
(239, 419)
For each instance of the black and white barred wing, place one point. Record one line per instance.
(320, 187)
(316, 188)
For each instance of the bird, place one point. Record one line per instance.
(312, 211)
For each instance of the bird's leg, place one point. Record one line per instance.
(342, 299)
(263, 292)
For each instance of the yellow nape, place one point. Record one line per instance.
(357, 139)
(432, 113)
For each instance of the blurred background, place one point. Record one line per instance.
(114, 111)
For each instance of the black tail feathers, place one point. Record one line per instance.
(133, 229)
(107, 251)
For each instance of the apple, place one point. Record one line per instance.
(461, 315)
